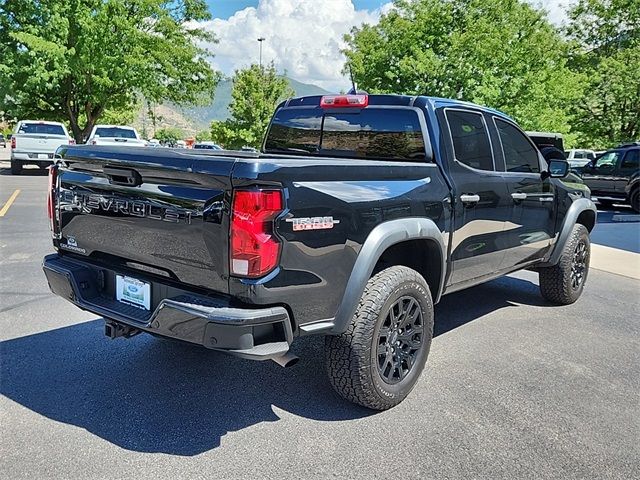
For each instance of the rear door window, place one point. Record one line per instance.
(631, 161)
(470, 139)
(42, 128)
(519, 153)
(370, 133)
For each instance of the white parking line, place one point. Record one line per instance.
(6, 206)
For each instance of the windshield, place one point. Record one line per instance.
(42, 128)
(371, 133)
(115, 132)
(608, 159)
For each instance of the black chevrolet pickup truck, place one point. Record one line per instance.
(358, 214)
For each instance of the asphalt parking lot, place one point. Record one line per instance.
(514, 387)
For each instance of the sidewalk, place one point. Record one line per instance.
(614, 260)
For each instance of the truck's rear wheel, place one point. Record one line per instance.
(563, 283)
(634, 199)
(16, 167)
(380, 357)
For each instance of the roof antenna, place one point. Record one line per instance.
(354, 87)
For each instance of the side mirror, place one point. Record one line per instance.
(558, 168)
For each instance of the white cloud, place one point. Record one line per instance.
(303, 37)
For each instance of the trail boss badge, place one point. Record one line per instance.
(312, 223)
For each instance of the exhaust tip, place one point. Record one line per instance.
(287, 360)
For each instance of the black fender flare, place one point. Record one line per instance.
(577, 207)
(381, 238)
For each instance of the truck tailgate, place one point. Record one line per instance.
(39, 143)
(160, 212)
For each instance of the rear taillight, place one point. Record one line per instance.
(72, 141)
(13, 142)
(51, 197)
(254, 247)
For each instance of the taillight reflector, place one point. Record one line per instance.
(254, 248)
(13, 142)
(340, 101)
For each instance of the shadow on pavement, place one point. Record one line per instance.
(151, 395)
(617, 227)
(622, 213)
(26, 171)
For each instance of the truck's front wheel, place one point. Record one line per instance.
(563, 283)
(378, 360)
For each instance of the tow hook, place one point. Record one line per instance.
(115, 330)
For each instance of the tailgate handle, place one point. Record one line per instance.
(123, 176)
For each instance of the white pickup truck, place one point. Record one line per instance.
(35, 143)
(115, 135)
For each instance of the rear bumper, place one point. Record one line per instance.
(258, 334)
(32, 157)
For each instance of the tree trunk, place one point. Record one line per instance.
(72, 115)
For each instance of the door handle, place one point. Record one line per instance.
(122, 176)
(545, 199)
(470, 198)
(519, 196)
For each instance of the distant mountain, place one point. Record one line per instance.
(192, 119)
(201, 117)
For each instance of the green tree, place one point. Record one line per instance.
(169, 135)
(77, 59)
(255, 94)
(608, 32)
(500, 53)
(203, 136)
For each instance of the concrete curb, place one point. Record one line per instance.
(614, 260)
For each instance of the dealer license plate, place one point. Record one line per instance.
(133, 292)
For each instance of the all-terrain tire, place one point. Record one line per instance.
(16, 167)
(563, 283)
(355, 366)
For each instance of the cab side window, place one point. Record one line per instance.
(470, 139)
(631, 161)
(519, 154)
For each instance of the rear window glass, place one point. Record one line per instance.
(41, 128)
(115, 132)
(206, 146)
(372, 133)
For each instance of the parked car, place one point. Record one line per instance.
(615, 176)
(547, 139)
(551, 146)
(115, 135)
(579, 158)
(35, 143)
(206, 146)
(351, 223)
(3, 141)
